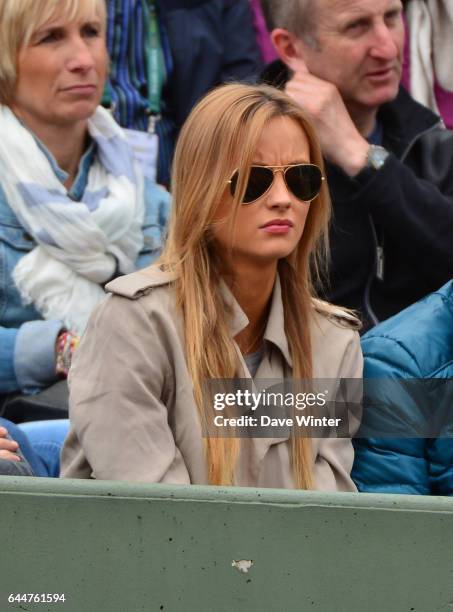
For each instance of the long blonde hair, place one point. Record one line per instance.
(221, 134)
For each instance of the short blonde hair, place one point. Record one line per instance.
(19, 19)
(296, 16)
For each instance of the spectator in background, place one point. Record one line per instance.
(415, 349)
(165, 55)
(75, 211)
(428, 73)
(389, 159)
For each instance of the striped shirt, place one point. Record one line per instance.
(127, 90)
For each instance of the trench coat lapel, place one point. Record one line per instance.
(276, 364)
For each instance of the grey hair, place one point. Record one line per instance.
(296, 16)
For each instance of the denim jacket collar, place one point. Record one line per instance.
(79, 185)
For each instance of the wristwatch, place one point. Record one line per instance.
(376, 157)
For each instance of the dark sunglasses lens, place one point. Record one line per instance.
(304, 181)
(260, 180)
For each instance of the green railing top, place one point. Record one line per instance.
(100, 488)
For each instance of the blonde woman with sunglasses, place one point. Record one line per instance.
(231, 296)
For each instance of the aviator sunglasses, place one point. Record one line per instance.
(303, 180)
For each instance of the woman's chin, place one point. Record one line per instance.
(81, 110)
(77, 111)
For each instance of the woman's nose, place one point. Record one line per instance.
(279, 194)
(80, 56)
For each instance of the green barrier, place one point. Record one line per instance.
(120, 547)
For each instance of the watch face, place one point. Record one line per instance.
(377, 156)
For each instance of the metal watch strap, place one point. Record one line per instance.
(376, 157)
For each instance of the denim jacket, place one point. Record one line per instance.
(27, 342)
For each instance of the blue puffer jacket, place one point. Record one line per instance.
(416, 343)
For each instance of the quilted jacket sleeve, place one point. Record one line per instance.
(408, 372)
(391, 464)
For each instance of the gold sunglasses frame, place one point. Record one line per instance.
(275, 170)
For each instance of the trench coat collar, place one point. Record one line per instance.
(135, 285)
(275, 328)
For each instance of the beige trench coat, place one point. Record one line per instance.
(132, 411)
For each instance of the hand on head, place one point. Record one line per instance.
(341, 142)
(346, 58)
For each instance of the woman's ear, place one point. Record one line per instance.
(289, 48)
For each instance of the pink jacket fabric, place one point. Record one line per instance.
(262, 35)
(444, 98)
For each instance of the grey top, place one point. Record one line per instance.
(253, 360)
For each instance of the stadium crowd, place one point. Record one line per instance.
(196, 191)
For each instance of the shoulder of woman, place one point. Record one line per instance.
(335, 342)
(335, 315)
(138, 284)
(138, 312)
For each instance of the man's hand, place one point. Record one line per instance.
(8, 448)
(341, 142)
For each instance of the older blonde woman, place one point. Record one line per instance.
(75, 210)
(232, 296)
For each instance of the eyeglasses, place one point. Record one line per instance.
(303, 180)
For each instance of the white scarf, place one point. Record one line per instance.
(431, 53)
(79, 244)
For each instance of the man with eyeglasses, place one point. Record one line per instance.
(389, 159)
